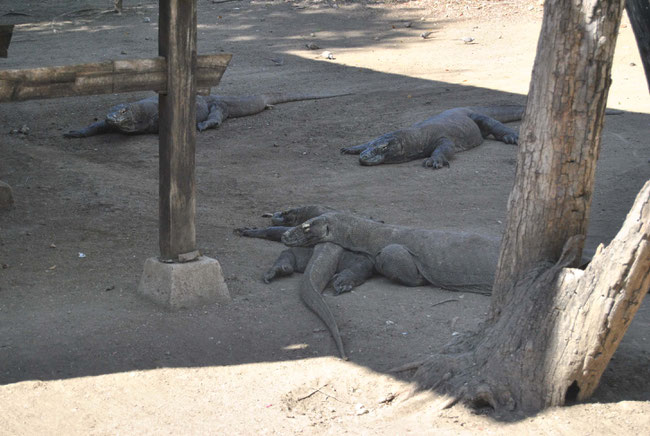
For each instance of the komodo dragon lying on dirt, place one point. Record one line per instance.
(414, 257)
(459, 261)
(327, 262)
(452, 260)
(211, 110)
(438, 138)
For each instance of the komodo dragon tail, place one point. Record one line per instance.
(281, 97)
(515, 112)
(504, 114)
(319, 271)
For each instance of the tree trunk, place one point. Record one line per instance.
(559, 138)
(555, 337)
(553, 329)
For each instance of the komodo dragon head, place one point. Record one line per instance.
(309, 233)
(387, 148)
(130, 117)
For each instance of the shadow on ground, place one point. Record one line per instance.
(63, 315)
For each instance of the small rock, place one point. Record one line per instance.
(146, 20)
(360, 409)
(327, 55)
(425, 35)
(468, 40)
(123, 52)
(387, 399)
(408, 25)
(312, 34)
(278, 61)
(632, 64)
(312, 46)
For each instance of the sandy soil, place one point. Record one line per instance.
(81, 353)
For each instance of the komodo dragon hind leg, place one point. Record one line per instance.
(396, 262)
(490, 126)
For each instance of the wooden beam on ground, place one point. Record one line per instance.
(6, 30)
(177, 131)
(103, 77)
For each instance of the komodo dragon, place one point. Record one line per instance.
(452, 260)
(211, 110)
(352, 270)
(438, 138)
(414, 257)
(327, 262)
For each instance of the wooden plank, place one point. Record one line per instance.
(108, 77)
(177, 132)
(6, 30)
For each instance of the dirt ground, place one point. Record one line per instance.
(82, 353)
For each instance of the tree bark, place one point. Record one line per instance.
(553, 329)
(559, 138)
(555, 337)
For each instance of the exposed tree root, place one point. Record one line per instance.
(495, 367)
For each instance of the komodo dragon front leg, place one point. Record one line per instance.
(443, 151)
(96, 128)
(353, 268)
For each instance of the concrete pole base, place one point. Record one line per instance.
(183, 285)
(6, 196)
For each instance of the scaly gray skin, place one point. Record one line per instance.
(457, 261)
(438, 138)
(211, 110)
(353, 269)
(320, 268)
(326, 262)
